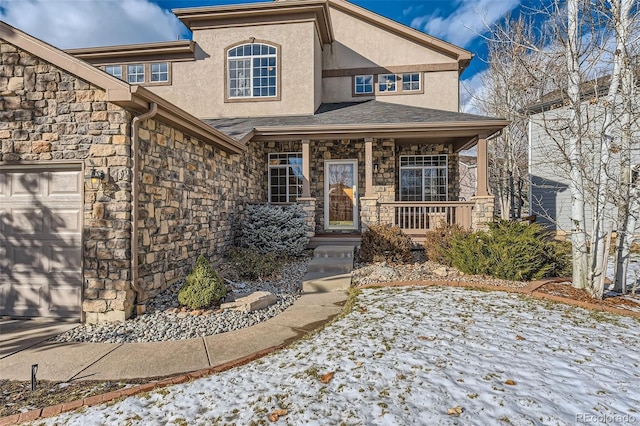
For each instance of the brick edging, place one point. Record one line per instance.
(57, 409)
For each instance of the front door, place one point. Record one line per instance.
(341, 194)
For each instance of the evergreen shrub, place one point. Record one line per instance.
(385, 243)
(437, 242)
(510, 250)
(279, 230)
(254, 266)
(202, 287)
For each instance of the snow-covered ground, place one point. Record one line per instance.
(633, 273)
(405, 356)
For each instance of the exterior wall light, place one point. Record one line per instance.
(95, 178)
(376, 167)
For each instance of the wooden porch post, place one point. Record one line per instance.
(368, 167)
(306, 169)
(483, 169)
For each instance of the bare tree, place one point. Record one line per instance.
(591, 135)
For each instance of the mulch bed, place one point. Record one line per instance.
(630, 302)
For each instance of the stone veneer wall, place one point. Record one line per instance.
(191, 195)
(46, 115)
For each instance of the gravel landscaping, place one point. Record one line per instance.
(166, 320)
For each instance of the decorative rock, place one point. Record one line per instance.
(252, 302)
(441, 272)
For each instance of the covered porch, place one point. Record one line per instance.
(353, 165)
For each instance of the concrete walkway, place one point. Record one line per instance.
(24, 343)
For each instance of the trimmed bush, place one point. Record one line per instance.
(202, 287)
(385, 243)
(279, 230)
(437, 243)
(509, 250)
(251, 265)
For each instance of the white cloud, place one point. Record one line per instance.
(86, 23)
(468, 21)
(472, 89)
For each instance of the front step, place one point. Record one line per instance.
(329, 270)
(333, 252)
(331, 264)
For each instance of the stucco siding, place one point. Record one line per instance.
(199, 87)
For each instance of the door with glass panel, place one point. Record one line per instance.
(341, 194)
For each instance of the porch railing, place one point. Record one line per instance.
(417, 218)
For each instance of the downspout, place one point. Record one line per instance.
(135, 144)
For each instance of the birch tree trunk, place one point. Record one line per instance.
(579, 249)
(628, 203)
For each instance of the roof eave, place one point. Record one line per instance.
(481, 129)
(184, 121)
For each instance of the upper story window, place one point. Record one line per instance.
(285, 177)
(386, 83)
(154, 73)
(159, 72)
(364, 84)
(114, 70)
(252, 71)
(135, 73)
(411, 82)
(423, 178)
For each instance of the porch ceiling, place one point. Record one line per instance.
(365, 119)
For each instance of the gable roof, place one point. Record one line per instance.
(265, 13)
(360, 119)
(117, 91)
(463, 56)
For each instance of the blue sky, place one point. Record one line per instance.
(83, 23)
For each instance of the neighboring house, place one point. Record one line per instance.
(549, 195)
(320, 103)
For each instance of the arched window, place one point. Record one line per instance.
(252, 71)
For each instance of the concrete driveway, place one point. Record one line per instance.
(19, 334)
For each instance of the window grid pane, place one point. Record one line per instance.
(411, 82)
(423, 178)
(364, 84)
(387, 83)
(160, 72)
(135, 73)
(252, 71)
(114, 70)
(285, 177)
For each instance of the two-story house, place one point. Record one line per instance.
(131, 160)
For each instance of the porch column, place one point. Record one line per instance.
(368, 167)
(483, 167)
(306, 169)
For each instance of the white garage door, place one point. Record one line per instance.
(41, 241)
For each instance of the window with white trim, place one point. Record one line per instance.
(386, 83)
(135, 73)
(363, 84)
(423, 177)
(285, 177)
(159, 72)
(252, 71)
(411, 82)
(114, 70)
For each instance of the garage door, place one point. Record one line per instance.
(41, 241)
